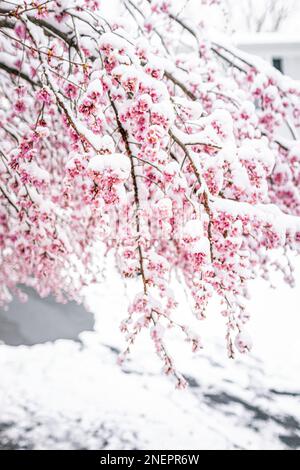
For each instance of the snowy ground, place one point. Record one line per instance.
(68, 395)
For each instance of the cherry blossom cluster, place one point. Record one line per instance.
(142, 133)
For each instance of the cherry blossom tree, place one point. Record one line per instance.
(146, 135)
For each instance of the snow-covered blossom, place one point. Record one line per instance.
(243, 342)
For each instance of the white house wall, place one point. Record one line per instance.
(289, 53)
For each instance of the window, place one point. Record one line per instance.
(278, 63)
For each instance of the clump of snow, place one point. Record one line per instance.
(201, 246)
(257, 150)
(194, 108)
(36, 172)
(193, 229)
(164, 206)
(95, 86)
(118, 163)
(243, 342)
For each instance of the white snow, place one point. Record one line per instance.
(207, 137)
(116, 162)
(68, 395)
(193, 229)
(200, 246)
(95, 86)
(36, 172)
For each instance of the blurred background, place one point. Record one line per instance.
(61, 387)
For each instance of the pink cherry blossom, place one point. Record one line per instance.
(148, 136)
